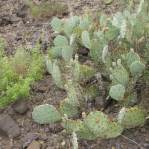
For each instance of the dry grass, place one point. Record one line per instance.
(47, 9)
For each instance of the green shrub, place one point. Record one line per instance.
(17, 73)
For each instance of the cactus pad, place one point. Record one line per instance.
(78, 126)
(131, 117)
(101, 126)
(45, 114)
(136, 68)
(69, 109)
(119, 74)
(86, 39)
(117, 92)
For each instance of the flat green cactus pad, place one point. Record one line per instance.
(131, 57)
(68, 109)
(136, 68)
(117, 92)
(114, 130)
(45, 114)
(131, 117)
(56, 24)
(86, 39)
(119, 75)
(101, 126)
(78, 126)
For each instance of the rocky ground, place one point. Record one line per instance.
(17, 130)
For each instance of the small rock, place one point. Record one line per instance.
(34, 145)
(8, 126)
(20, 107)
(29, 138)
(22, 11)
(5, 20)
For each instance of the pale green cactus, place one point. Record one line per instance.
(73, 92)
(131, 117)
(111, 33)
(82, 72)
(119, 74)
(131, 57)
(86, 41)
(117, 92)
(114, 130)
(96, 51)
(101, 126)
(67, 52)
(85, 22)
(137, 68)
(45, 114)
(61, 48)
(57, 24)
(67, 108)
(78, 126)
(54, 70)
(60, 41)
(70, 24)
(56, 75)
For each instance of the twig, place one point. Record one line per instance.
(125, 137)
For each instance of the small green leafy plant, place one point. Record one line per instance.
(17, 73)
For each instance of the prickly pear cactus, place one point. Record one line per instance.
(45, 114)
(61, 48)
(119, 74)
(131, 117)
(78, 126)
(54, 70)
(56, 75)
(130, 57)
(136, 68)
(86, 72)
(85, 22)
(117, 92)
(57, 24)
(114, 130)
(67, 108)
(101, 126)
(73, 92)
(86, 39)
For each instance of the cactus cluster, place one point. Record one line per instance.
(124, 74)
(123, 67)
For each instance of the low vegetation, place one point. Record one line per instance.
(118, 49)
(46, 9)
(18, 72)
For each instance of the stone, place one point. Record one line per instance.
(20, 107)
(34, 145)
(8, 126)
(22, 11)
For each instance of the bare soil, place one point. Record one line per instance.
(25, 31)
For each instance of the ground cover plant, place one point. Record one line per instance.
(118, 50)
(18, 72)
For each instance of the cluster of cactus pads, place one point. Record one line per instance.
(123, 68)
(94, 125)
